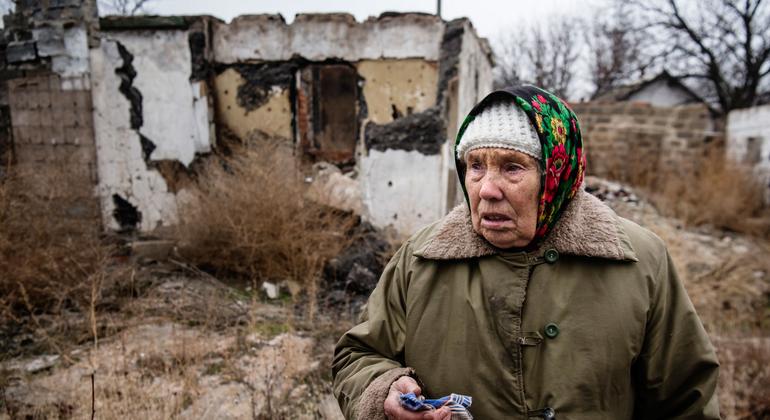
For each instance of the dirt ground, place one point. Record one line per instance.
(187, 345)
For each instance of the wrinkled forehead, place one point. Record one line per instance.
(499, 155)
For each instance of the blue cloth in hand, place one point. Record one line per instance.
(458, 404)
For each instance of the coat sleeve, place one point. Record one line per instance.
(369, 357)
(677, 369)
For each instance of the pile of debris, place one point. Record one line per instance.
(610, 191)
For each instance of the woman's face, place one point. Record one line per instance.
(503, 188)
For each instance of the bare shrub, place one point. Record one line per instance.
(735, 295)
(52, 257)
(717, 192)
(249, 217)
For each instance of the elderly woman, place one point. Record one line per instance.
(534, 298)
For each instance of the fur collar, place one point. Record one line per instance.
(586, 228)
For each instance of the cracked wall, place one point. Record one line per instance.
(148, 112)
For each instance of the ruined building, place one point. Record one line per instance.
(130, 103)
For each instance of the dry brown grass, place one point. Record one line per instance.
(171, 371)
(249, 218)
(52, 259)
(717, 192)
(744, 377)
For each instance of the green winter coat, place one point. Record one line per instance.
(593, 325)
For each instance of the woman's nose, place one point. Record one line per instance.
(490, 190)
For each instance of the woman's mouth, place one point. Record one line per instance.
(495, 221)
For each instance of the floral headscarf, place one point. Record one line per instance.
(559, 132)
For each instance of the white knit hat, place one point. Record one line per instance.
(501, 124)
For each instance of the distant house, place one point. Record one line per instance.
(664, 90)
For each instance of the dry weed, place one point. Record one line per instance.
(52, 259)
(718, 192)
(171, 371)
(249, 217)
(735, 295)
(744, 377)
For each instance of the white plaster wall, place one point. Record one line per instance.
(75, 61)
(175, 118)
(175, 114)
(474, 73)
(660, 94)
(475, 79)
(402, 189)
(743, 124)
(263, 37)
(68, 52)
(121, 168)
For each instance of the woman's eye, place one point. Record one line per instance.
(512, 167)
(476, 166)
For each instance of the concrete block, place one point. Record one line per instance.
(39, 135)
(26, 135)
(19, 52)
(24, 117)
(78, 136)
(31, 153)
(50, 42)
(41, 99)
(83, 118)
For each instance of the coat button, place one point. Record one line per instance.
(551, 256)
(551, 330)
(549, 413)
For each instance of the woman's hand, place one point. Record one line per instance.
(394, 410)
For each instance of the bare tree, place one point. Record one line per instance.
(123, 7)
(545, 57)
(723, 46)
(508, 61)
(614, 49)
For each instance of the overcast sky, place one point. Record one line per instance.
(489, 17)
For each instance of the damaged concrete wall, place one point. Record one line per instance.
(402, 63)
(371, 98)
(245, 111)
(401, 171)
(395, 88)
(474, 72)
(146, 110)
(318, 37)
(404, 135)
(748, 141)
(47, 75)
(474, 81)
